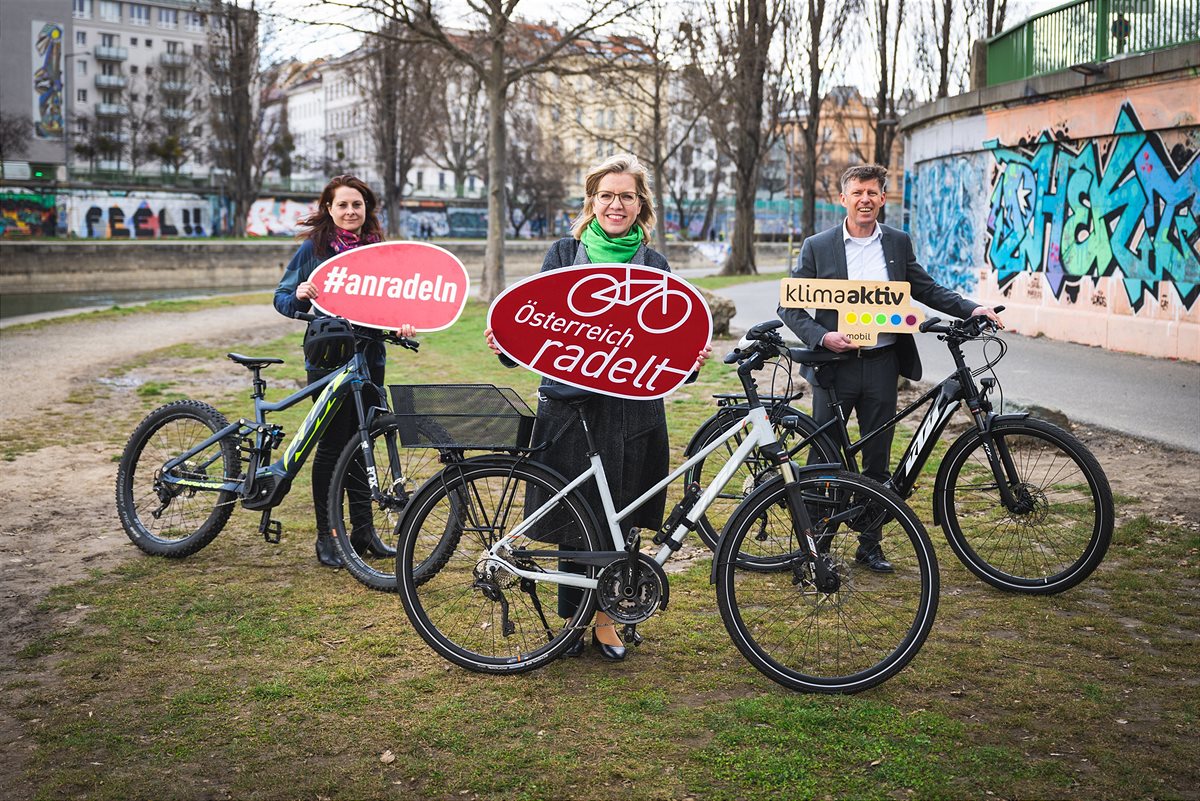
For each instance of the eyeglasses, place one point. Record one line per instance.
(607, 198)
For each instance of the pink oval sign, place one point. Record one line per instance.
(388, 284)
(617, 329)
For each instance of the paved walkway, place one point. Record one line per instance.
(1156, 399)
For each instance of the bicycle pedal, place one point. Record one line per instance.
(272, 530)
(630, 636)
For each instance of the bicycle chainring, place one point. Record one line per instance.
(634, 600)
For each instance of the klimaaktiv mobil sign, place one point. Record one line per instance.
(617, 329)
(388, 284)
(865, 308)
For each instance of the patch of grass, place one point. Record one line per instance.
(154, 388)
(720, 281)
(152, 307)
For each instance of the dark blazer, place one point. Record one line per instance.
(823, 255)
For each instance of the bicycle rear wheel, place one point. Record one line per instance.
(367, 530)
(844, 638)
(171, 519)
(474, 611)
(754, 471)
(1061, 526)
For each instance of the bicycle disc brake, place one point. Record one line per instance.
(632, 599)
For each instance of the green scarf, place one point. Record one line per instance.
(605, 249)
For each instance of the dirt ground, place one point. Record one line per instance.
(57, 516)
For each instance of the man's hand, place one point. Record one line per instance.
(988, 313)
(838, 343)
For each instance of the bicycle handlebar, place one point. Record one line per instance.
(960, 329)
(376, 334)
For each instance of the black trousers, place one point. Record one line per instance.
(865, 387)
(342, 428)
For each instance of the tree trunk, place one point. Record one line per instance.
(741, 250)
(493, 256)
(711, 210)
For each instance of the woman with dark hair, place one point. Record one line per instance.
(614, 226)
(345, 218)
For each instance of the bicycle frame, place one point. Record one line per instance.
(761, 436)
(333, 389)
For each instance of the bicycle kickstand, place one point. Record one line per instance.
(272, 530)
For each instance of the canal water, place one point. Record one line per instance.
(41, 303)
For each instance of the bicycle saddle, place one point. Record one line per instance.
(564, 393)
(253, 362)
(818, 355)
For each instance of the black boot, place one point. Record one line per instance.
(327, 552)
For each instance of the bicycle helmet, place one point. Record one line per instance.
(328, 343)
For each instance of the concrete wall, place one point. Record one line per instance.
(1077, 206)
(66, 266)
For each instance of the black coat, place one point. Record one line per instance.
(630, 435)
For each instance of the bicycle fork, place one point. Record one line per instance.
(826, 577)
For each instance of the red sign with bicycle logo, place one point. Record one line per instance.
(388, 284)
(617, 329)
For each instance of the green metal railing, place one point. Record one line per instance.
(1089, 32)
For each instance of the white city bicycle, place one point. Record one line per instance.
(793, 598)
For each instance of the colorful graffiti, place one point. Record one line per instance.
(1070, 211)
(25, 214)
(946, 201)
(274, 217)
(47, 80)
(151, 216)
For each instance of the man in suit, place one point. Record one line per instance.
(863, 249)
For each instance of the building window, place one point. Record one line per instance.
(133, 70)
(110, 10)
(194, 21)
(149, 43)
(108, 40)
(139, 14)
(168, 18)
(82, 9)
(441, 180)
(196, 131)
(149, 71)
(81, 37)
(420, 179)
(133, 97)
(81, 95)
(856, 134)
(133, 41)
(471, 183)
(108, 68)
(174, 47)
(197, 50)
(81, 67)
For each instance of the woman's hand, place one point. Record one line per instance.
(702, 358)
(491, 341)
(406, 330)
(306, 291)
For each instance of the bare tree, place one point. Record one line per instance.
(402, 81)
(825, 24)
(885, 19)
(992, 18)
(241, 137)
(490, 40)
(15, 131)
(460, 133)
(732, 53)
(536, 188)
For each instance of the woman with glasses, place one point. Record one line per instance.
(344, 219)
(615, 224)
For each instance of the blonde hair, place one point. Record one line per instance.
(621, 164)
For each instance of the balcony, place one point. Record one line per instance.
(103, 53)
(111, 110)
(175, 114)
(110, 81)
(173, 59)
(173, 88)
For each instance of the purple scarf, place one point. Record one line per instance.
(346, 240)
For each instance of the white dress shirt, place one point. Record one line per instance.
(865, 262)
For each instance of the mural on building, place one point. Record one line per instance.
(47, 80)
(1073, 210)
(945, 199)
(143, 216)
(27, 214)
(274, 217)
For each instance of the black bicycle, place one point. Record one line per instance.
(185, 466)
(1023, 503)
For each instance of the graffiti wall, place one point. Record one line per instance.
(47, 80)
(141, 215)
(25, 214)
(1082, 216)
(274, 217)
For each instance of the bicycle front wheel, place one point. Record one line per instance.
(474, 610)
(367, 529)
(1059, 528)
(854, 632)
(755, 470)
(173, 519)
